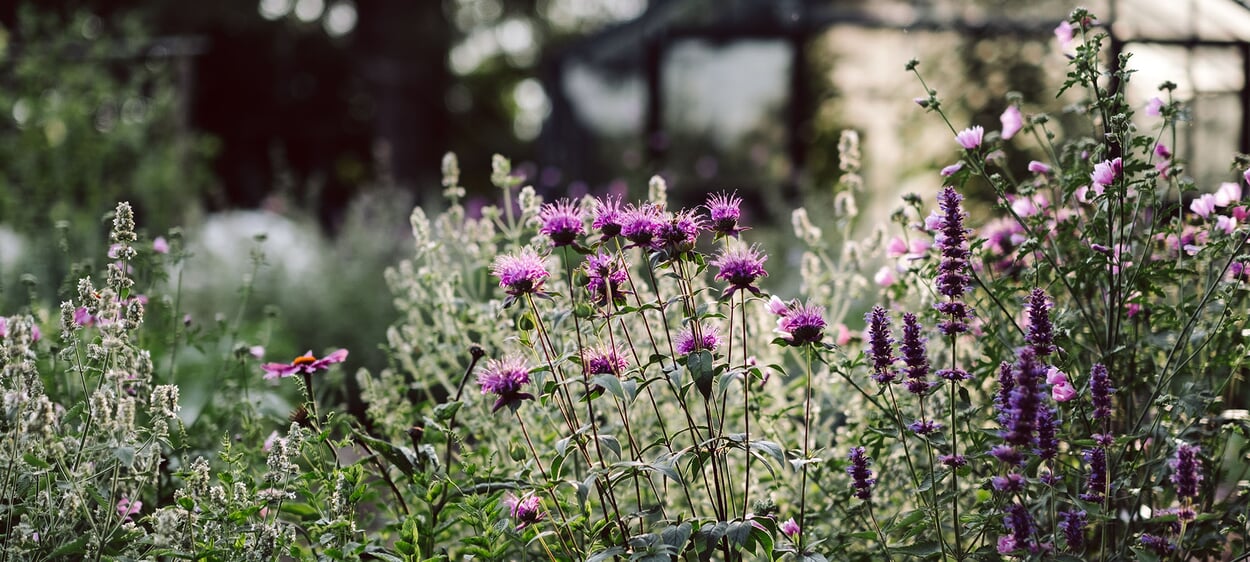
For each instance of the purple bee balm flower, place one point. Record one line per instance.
(1012, 121)
(1038, 167)
(952, 280)
(1100, 391)
(1106, 172)
(561, 222)
(1041, 333)
(1096, 484)
(680, 232)
(608, 216)
(1186, 470)
(861, 477)
(790, 529)
(706, 338)
(505, 378)
(915, 355)
(881, 345)
(970, 138)
(1159, 545)
(724, 211)
(304, 364)
(740, 265)
(1072, 523)
(924, 427)
(641, 225)
(525, 510)
(604, 361)
(606, 277)
(1012, 482)
(801, 324)
(522, 273)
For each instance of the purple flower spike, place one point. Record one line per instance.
(1026, 399)
(1186, 470)
(724, 211)
(608, 216)
(915, 355)
(505, 378)
(861, 476)
(1096, 484)
(561, 222)
(970, 138)
(1041, 333)
(1007, 455)
(1072, 523)
(525, 510)
(1002, 398)
(1159, 545)
(1047, 428)
(706, 338)
(522, 273)
(881, 345)
(952, 280)
(1019, 524)
(1012, 482)
(1100, 391)
(741, 266)
(953, 461)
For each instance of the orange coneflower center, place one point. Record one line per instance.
(304, 360)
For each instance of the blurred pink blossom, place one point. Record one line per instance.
(970, 138)
(952, 169)
(1038, 167)
(1063, 392)
(1012, 121)
(160, 245)
(1227, 194)
(1154, 107)
(1203, 206)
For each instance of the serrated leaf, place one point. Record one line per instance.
(36, 462)
(444, 412)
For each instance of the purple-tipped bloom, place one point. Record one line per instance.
(127, 508)
(1019, 524)
(1002, 398)
(608, 216)
(707, 338)
(740, 266)
(1159, 545)
(1012, 482)
(1072, 523)
(1106, 172)
(522, 273)
(1041, 332)
(1186, 470)
(305, 364)
(525, 510)
(1047, 429)
(881, 345)
(1100, 391)
(505, 378)
(641, 225)
(679, 233)
(970, 138)
(915, 355)
(861, 477)
(1096, 484)
(790, 529)
(606, 277)
(604, 360)
(1025, 401)
(924, 427)
(724, 210)
(561, 222)
(800, 324)
(952, 280)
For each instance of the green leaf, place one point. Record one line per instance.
(606, 554)
(125, 455)
(36, 462)
(444, 412)
(919, 549)
(612, 384)
(702, 371)
(676, 536)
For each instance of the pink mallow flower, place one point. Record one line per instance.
(160, 245)
(1106, 172)
(1227, 194)
(126, 508)
(844, 334)
(1063, 392)
(1012, 121)
(1038, 167)
(1055, 376)
(1225, 224)
(970, 138)
(1064, 33)
(952, 169)
(1154, 107)
(306, 364)
(1203, 206)
(885, 276)
(790, 529)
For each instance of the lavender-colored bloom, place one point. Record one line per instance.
(608, 216)
(1041, 333)
(1025, 400)
(801, 324)
(561, 222)
(127, 508)
(1002, 398)
(1072, 523)
(604, 360)
(952, 279)
(1012, 121)
(1100, 391)
(1154, 107)
(953, 461)
(606, 277)
(881, 345)
(1019, 523)
(915, 355)
(1159, 545)
(1106, 172)
(707, 338)
(679, 233)
(790, 529)
(522, 273)
(924, 427)
(1012, 482)
(861, 477)
(952, 169)
(641, 225)
(740, 265)
(525, 510)
(1186, 470)
(1065, 33)
(971, 137)
(505, 378)
(1007, 455)
(1096, 484)
(724, 211)
(1038, 167)
(1047, 428)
